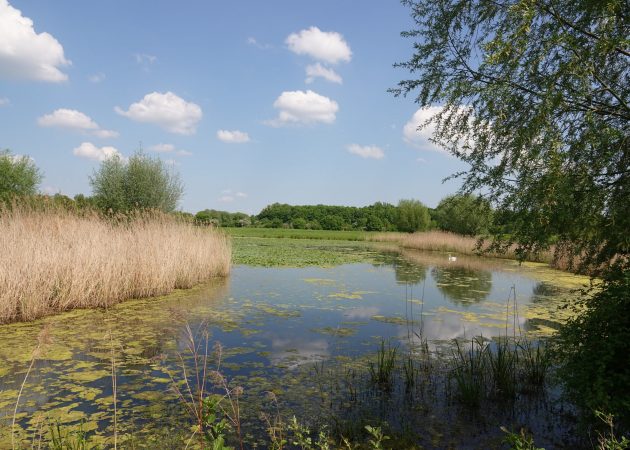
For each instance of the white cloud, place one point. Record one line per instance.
(228, 196)
(25, 54)
(4, 101)
(416, 134)
(162, 148)
(366, 151)
(106, 134)
(166, 110)
(97, 77)
(233, 137)
(328, 46)
(255, 43)
(91, 151)
(169, 148)
(74, 120)
(299, 107)
(317, 70)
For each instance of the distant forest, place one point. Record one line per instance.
(464, 214)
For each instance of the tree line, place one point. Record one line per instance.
(144, 182)
(459, 213)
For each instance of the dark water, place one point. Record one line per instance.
(279, 328)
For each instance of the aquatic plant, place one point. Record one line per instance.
(469, 371)
(55, 260)
(519, 441)
(502, 361)
(382, 371)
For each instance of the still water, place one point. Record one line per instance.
(275, 326)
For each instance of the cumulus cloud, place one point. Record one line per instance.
(299, 107)
(4, 101)
(366, 151)
(233, 137)
(74, 120)
(91, 151)
(183, 153)
(317, 70)
(416, 134)
(26, 54)
(327, 46)
(166, 110)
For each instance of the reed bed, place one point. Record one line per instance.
(454, 243)
(54, 260)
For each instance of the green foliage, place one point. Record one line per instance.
(376, 217)
(376, 437)
(536, 100)
(519, 441)
(382, 371)
(534, 97)
(464, 214)
(593, 348)
(412, 216)
(65, 438)
(608, 440)
(215, 425)
(469, 372)
(142, 182)
(222, 218)
(19, 176)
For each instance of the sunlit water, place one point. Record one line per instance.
(274, 324)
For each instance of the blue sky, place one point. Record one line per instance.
(251, 102)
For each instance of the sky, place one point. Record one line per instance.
(250, 102)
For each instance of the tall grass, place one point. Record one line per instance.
(54, 260)
(451, 242)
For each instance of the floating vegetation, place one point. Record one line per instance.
(276, 324)
(338, 331)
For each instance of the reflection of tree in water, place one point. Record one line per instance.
(409, 273)
(461, 285)
(543, 289)
(406, 272)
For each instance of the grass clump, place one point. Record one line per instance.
(55, 260)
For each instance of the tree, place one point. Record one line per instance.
(142, 182)
(412, 216)
(19, 176)
(534, 95)
(464, 214)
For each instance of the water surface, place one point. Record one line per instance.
(275, 325)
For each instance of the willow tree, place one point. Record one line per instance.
(19, 176)
(142, 182)
(534, 95)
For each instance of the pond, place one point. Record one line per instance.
(284, 330)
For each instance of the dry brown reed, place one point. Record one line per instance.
(451, 242)
(54, 260)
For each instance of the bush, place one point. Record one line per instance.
(19, 176)
(412, 216)
(140, 183)
(464, 214)
(593, 348)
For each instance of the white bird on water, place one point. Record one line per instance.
(452, 258)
